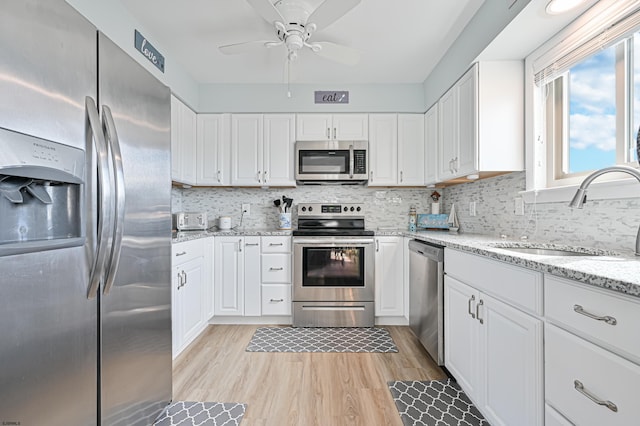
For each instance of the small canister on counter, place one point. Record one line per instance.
(413, 219)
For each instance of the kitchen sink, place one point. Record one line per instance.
(551, 249)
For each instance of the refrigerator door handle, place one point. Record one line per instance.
(113, 144)
(104, 199)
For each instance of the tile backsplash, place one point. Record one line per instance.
(385, 207)
(607, 224)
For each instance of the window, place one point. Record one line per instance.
(586, 98)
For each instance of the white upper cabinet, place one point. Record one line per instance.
(431, 145)
(396, 149)
(318, 127)
(213, 160)
(262, 149)
(183, 143)
(481, 122)
(383, 149)
(410, 149)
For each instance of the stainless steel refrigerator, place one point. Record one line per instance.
(85, 225)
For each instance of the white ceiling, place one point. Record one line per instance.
(400, 41)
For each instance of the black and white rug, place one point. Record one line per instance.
(347, 339)
(190, 413)
(434, 403)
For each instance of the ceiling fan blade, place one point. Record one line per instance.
(267, 10)
(248, 46)
(330, 10)
(338, 53)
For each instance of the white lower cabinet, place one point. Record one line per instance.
(190, 292)
(228, 276)
(494, 350)
(389, 281)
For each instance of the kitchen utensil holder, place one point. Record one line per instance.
(284, 221)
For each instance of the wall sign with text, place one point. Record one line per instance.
(332, 97)
(151, 53)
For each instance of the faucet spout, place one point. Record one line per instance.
(581, 194)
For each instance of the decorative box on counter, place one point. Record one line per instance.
(433, 221)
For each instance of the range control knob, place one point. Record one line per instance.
(304, 209)
(310, 208)
(358, 209)
(352, 209)
(346, 209)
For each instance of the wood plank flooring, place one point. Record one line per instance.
(299, 388)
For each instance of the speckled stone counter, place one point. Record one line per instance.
(179, 237)
(615, 271)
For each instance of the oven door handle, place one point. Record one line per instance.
(334, 241)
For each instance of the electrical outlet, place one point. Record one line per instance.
(519, 206)
(472, 208)
(246, 208)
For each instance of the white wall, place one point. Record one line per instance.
(113, 19)
(273, 98)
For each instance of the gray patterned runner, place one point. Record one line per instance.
(434, 403)
(341, 339)
(190, 413)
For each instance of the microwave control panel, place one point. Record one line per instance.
(359, 162)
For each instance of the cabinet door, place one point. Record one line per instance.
(228, 283)
(461, 335)
(213, 149)
(207, 294)
(350, 127)
(278, 150)
(512, 376)
(383, 149)
(187, 141)
(447, 134)
(313, 127)
(176, 311)
(190, 300)
(252, 294)
(246, 149)
(410, 149)
(176, 157)
(431, 145)
(466, 160)
(389, 270)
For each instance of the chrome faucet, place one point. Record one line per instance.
(581, 194)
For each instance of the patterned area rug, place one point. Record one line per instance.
(290, 339)
(434, 403)
(189, 413)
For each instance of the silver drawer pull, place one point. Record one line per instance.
(276, 300)
(276, 244)
(182, 253)
(252, 244)
(580, 310)
(276, 269)
(577, 384)
(473, 298)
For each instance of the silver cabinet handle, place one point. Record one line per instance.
(276, 244)
(179, 281)
(328, 133)
(218, 175)
(401, 176)
(182, 253)
(471, 300)
(608, 319)
(371, 175)
(451, 166)
(480, 303)
(264, 177)
(455, 165)
(276, 300)
(113, 145)
(334, 132)
(377, 245)
(104, 220)
(276, 269)
(251, 244)
(577, 384)
(186, 278)
(258, 176)
(240, 244)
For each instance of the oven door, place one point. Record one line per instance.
(333, 269)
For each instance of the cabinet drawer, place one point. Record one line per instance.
(186, 251)
(572, 362)
(571, 304)
(276, 299)
(276, 268)
(518, 286)
(276, 244)
(553, 418)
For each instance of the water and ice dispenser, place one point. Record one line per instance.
(41, 194)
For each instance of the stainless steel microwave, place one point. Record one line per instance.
(332, 161)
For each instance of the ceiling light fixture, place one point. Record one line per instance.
(557, 7)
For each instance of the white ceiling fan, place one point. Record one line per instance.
(295, 22)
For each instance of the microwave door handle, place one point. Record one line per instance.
(95, 137)
(351, 161)
(116, 156)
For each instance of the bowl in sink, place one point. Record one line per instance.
(541, 249)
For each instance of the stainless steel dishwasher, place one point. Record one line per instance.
(426, 296)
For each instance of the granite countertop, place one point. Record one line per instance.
(617, 271)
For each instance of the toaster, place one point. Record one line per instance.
(190, 221)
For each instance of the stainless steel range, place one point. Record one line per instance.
(333, 267)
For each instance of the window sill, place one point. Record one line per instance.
(607, 190)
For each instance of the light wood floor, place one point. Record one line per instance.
(299, 388)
